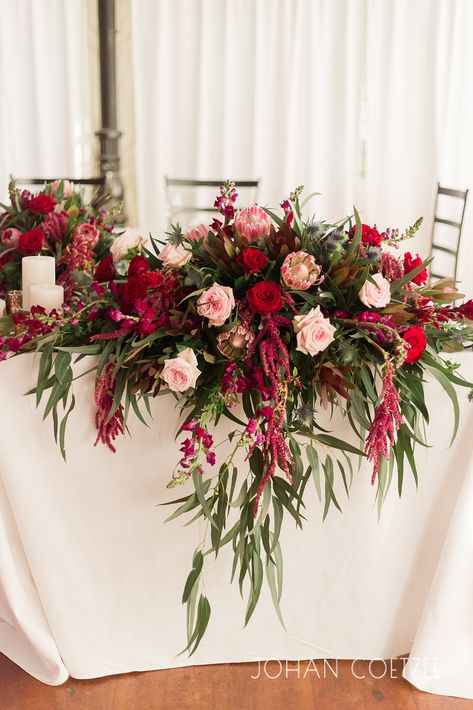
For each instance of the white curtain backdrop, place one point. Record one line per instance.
(46, 100)
(265, 88)
(456, 130)
(365, 101)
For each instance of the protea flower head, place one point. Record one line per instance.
(236, 342)
(199, 232)
(300, 271)
(252, 224)
(55, 226)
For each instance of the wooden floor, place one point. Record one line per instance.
(227, 687)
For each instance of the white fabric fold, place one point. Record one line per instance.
(91, 577)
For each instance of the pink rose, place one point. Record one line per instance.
(86, 233)
(314, 332)
(181, 372)
(216, 304)
(67, 188)
(375, 295)
(130, 239)
(11, 237)
(200, 232)
(174, 256)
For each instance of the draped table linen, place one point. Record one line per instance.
(91, 576)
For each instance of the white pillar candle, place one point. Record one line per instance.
(2, 307)
(46, 295)
(36, 270)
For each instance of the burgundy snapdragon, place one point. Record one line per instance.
(191, 448)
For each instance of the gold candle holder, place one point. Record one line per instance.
(14, 301)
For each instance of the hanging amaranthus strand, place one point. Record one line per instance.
(276, 367)
(78, 256)
(108, 429)
(386, 422)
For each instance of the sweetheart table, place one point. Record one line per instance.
(91, 576)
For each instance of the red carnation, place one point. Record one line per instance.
(154, 279)
(411, 263)
(138, 265)
(465, 309)
(105, 270)
(369, 235)
(252, 260)
(41, 204)
(265, 297)
(136, 287)
(31, 242)
(416, 340)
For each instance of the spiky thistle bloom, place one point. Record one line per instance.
(315, 230)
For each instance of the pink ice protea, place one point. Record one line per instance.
(252, 224)
(11, 237)
(199, 232)
(55, 226)
(67, 188)
(235, 342)
(86, 233)
(300, 271)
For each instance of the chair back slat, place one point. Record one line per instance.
(98, 181)
(454, 233)
(461, 194)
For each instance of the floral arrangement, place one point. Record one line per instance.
(264, 318)
(56, 222)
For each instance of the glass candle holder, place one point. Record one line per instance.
(14, 301)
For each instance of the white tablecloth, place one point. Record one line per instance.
(91, 578)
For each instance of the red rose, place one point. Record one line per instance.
(252, 260)
(105, 270)
(136, 287)
(415, 338)
(31, 242)
(138, 265)
(41, 204)
(411, 263)
(369, 235)
(265, 297)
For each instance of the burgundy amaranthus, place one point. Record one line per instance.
(391, 267)
(108, 429)
(77, 256)
(276, 367)
(386, 422)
